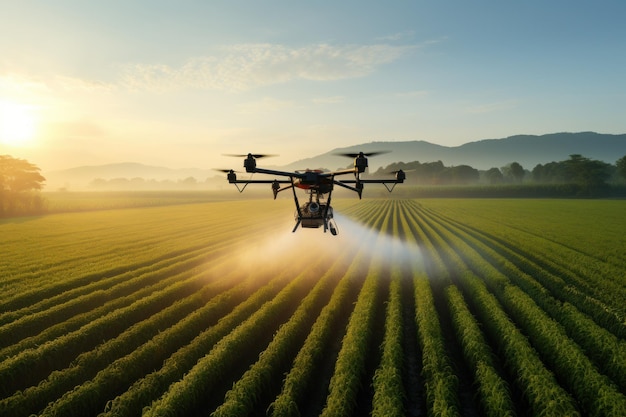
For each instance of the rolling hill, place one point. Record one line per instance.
(528, 150)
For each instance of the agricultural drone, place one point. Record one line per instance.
(316, 212)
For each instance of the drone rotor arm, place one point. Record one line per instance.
(344, 184)
(340, 172)
(278, 173)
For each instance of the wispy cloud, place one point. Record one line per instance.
(247, 66)
(25, 84)
(13, 83)
(234, 68)
(79, 84)
(397, 36)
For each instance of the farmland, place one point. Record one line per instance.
(418, 307)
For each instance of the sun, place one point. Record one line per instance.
(17, 123)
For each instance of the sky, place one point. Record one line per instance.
(180, 83)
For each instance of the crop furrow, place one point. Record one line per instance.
(537, 383)
(51, 294)
(555, 278)
(604, 348)
(258, 383)
(592, 389)
(350, 368)
(193, 312)
(197, 387)
(18, 372)
(305, 371)
(144, 390)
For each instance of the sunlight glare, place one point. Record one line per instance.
(17, 123)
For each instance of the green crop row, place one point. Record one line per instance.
(144, 390)
(264, 375)
(538, 385)
(605, 349)
(389, 391)
(145, 344)
(599, 297)
(356, 346)
(191, 392)
(317, 344)
(596, 394)
(494, 394)
(28, 367)
(67, 317)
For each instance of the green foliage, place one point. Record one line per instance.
(576, 170)
(494, 176)
(19, 175)
(513, 172)
(351, 362)
(621, 166)
(434, 173)
(18, 178)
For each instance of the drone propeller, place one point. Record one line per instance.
(395, 172)
(356, 155)
(254, 155)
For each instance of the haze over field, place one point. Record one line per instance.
(179, 84)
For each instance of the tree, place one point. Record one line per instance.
(585, 171)
(552, 172)
(621, 166)
(514, 172)
(494, 176)
(461, 174)
(517, 171)
(18, 178)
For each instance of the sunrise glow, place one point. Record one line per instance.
(17, 123)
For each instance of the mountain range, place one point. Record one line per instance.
(527, 150)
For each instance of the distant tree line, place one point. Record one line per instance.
(576, 170)
(138, 183)
(434, 173)
(19, 182)
(577, 175)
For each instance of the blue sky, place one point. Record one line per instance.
(179, 83)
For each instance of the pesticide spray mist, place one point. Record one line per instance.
(280, 249)
(379, 246)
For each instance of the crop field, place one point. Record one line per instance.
(418, 308)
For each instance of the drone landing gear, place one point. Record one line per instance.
(297, 224)
(314, 214)
(333, 227)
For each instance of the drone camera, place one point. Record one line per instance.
(314, 207)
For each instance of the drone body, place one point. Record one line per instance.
(316, 212)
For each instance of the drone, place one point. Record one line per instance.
(316, 212)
